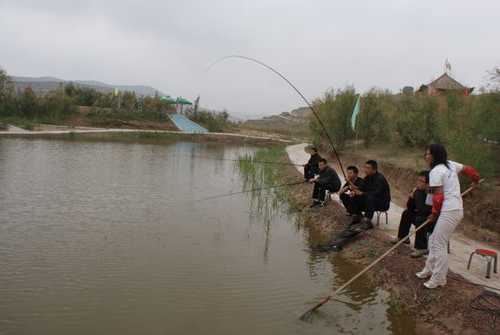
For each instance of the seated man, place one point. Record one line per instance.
(353, 203)
(377, 192)
(416, 213)
(311, 167)
(327, 180)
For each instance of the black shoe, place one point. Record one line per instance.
(356, 219)
(366, 224)
(315, 204)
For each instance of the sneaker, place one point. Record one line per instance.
(418, 253)
(424, 274)
(430, 284)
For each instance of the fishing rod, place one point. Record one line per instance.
(308, 314)
(258, 189)
(311, 107)
(243, 160)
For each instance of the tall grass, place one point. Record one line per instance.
(256, 175)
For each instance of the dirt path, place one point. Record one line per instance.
(88, 130)
(461, 246)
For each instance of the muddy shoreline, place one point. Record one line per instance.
(442, 311)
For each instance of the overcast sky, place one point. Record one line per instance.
(317, 44)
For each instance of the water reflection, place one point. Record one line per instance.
(89, 244)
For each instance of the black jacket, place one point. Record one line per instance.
(312, 166)
(416, 204)
(359, 183)
(377, 186)
(329, 178)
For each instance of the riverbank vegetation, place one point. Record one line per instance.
(214, 121)
(73, 103)
(467, 125)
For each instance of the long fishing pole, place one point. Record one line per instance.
(258, 189)
(243, 160)
(309, 312)
(315, 113)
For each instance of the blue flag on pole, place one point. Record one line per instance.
(355, 112)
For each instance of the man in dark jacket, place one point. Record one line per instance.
(353, 203)
(377, 192)
(311, 168)
(328, 180)
(416, 213)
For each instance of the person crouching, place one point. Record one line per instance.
(327, 180)
(353, 203)
(377, 193)
(311, 168)
(416, 213)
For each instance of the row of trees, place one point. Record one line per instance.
(465, 124)
(63, 102)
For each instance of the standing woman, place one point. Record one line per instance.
(447, 209)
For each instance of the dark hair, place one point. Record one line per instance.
(353, 169)
(373, 164)
(425, 174)
(313, 149)
(439, 155)
(322, 160)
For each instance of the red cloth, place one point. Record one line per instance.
(472, 173)
(437, 203)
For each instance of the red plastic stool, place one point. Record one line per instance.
(490, 255)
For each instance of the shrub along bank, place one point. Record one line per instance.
(467, 125)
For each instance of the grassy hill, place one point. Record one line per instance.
(42, 85)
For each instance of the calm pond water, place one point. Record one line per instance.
(105, 238)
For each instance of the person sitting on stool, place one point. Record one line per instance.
(353, 203)
(416, 213)
(327, 180)
(377, 192)
(311, 168)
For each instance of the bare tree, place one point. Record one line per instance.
(494, 78)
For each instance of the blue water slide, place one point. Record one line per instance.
(186, 125)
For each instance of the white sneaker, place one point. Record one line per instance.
(434, 283)
(424, 274)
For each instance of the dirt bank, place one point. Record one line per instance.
(83, 118)
(442, 311)
(146, 136)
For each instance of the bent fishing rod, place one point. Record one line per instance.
(311, 107)
(308, 314)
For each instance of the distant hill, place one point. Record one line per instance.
(42, 85)
(294, 123)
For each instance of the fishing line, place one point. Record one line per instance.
(225, 195)
(243, 160)
(315, 113)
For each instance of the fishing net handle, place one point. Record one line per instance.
(381, 257)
